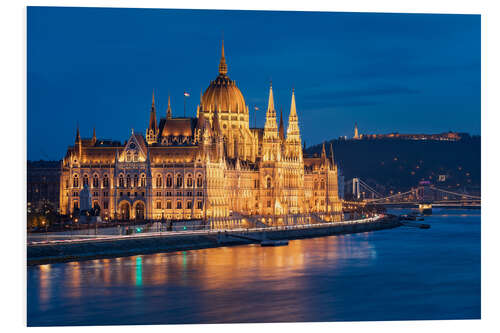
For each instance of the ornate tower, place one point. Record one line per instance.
(270, 144)
(293, 132)
(152, 132)
(356, 134)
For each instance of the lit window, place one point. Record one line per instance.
(179, 204)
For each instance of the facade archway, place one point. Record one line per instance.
(124, 210)
(139, 211)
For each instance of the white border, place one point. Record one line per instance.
(13, 136)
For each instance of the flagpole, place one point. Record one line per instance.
(184, 104)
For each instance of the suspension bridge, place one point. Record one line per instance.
(424, 193)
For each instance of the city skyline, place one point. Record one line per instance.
(387, 72)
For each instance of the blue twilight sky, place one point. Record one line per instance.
(389, 72)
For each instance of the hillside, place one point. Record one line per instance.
(398, 165)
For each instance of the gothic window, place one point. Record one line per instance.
(128, 180)
(199, 181)
(95, 181)
(169, 204)
(75, 204)
(158, 205)
(85, 180)
(120, 181)
(129, 156)
(189, 181)
(143, 180)
(200, 204)
(105, 181)
(189, 204)
(268, 182)
(315, 184)
(179, 204)
(136, 156)
(136, 181)
(75, 181)
(322, 184)
(169, 180)
(179, 181)
(158, 181)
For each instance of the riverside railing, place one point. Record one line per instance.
(55, 239)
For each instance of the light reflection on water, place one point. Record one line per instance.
(393, 274)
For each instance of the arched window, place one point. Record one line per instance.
(105, 181)
(322, 184)
(169, 180)
(136, 181)
(129, 156)
(143, 180)
(128, 180)
(199, 181)
(120, 181)
(158, 181)
(178, 182)
(75, 181)
(315, 184)
(136, 156)
(268, 182)
(95, 181)
(85, 180)
(189, 181)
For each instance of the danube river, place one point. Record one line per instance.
(398, 274)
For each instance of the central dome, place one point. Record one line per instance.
(222, 93)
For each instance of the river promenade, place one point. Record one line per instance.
(104, 246)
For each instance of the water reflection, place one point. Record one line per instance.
(330, 278)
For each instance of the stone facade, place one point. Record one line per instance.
(213, 165)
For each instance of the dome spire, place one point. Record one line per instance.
(222, 64)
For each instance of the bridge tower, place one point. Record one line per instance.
(355, 188)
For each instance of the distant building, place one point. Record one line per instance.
(43, 184)
(356, 134)
(446, 136)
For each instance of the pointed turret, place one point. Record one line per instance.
(293, 131)
(281, 128)
(222, 64)
(323, 153)
(94, 138)
(77, 137)
(331, 155)
(152, 132)
(356, 134)
(169, 109)
(270, 128)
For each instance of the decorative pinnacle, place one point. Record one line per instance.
(222, 64)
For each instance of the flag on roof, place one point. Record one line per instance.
(186, 94)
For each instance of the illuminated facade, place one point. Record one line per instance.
(213, 165)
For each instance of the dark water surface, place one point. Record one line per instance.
(399, 274)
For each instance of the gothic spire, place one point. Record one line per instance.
(222, 64)
(281, 128)
(293, 130)
(169, 109)
(323, 151)
(152, 116)
(94, 138)
(331, 155)
(270, 128)
(77, 138)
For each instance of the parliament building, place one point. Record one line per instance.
(214, 165)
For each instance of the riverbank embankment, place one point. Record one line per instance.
(62, 251)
